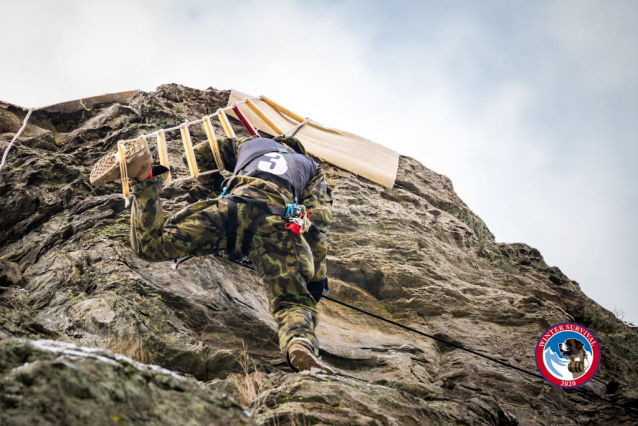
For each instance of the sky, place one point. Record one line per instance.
(529, 107)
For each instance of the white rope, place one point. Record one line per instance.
(298, 126)
(84, 106)
(149, 135)
(190, 123)
(6, 151)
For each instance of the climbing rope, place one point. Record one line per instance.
(463, 348)
(296, 129)
(17, 135)
(438, 339)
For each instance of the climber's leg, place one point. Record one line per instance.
(284, 261)
(197, 230)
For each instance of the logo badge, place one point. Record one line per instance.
(567, 355)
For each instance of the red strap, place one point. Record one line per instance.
(244, 121)
(294, 228)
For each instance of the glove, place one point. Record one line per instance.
(318, 289)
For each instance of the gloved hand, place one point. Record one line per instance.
(318, 289)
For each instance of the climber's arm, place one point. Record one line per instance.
(206, 160)
(318, 200)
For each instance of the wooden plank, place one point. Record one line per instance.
(188, 148)
(282, 109)
(210, 134)
(163, 153)
(264, 117)
(123, 169)
(228, 129)
(245, 121)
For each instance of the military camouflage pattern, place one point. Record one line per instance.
(284, 260)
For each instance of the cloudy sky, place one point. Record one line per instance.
(531, 108)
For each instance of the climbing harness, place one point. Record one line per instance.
(294, 223)
(15, 138)
(295, 214)
(292, 213)
(298, 219)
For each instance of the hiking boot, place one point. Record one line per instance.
(138, 162)
(302, 359)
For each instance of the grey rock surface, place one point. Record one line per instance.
(53, 382)
(414, 253)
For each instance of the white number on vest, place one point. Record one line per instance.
(276, 164)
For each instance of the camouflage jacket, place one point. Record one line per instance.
(316, 195)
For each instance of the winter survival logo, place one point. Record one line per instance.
(567, 355)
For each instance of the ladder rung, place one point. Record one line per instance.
(210, 134)
(123, 169)
(282, 109)
(223, 118)
(163, 153)
(264, 117)
(190, 154)
(245, 121)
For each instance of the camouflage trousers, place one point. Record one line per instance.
(285, 261)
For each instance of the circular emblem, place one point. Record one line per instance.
(567, 355)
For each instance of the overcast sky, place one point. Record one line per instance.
(530, 107)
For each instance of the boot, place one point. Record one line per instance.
(138, 161)
(302, 359)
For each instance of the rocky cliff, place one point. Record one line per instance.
(90, 333)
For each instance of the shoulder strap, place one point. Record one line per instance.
(239, 167)
(249, 232)
(296, 177)
(260, 204)
(292, 142)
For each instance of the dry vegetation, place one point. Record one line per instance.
(250, 382)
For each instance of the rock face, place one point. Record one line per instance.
(52, 382)
(415, 254)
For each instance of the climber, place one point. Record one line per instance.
(276, 192)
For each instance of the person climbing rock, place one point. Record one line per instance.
(274, 209)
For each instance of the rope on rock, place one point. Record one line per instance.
(438, 339)
(522, 370)
(17, 135)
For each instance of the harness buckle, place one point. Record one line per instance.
(297, 216)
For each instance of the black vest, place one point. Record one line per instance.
(269, 160)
